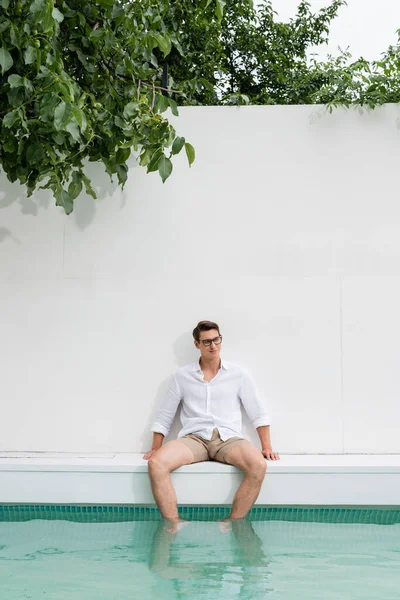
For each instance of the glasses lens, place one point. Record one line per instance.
(216, 340)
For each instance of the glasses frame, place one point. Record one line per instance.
(219, 337)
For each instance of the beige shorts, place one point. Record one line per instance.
(214, 449)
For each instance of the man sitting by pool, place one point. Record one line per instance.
(211, 391)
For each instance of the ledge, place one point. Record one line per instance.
(349, 479)
(134, 463)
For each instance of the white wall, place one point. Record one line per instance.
(286, 231)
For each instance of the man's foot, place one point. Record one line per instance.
(225, 526)
(176, 525)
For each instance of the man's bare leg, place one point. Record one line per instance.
(249, 459)
(169, 457)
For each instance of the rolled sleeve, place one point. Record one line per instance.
(166, 413)
(252, 403)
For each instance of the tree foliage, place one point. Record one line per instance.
(78, 82)
(83, 80)
(251, 57)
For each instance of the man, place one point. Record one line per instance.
(211, 391)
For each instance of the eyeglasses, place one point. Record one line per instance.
(216, 340)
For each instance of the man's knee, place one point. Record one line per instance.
(169, 458)
(158, 465)
(257, 468)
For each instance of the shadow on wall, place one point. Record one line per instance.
(11, 193)
(185, 353)
(185, 350)
(15, 192)
(4, 233)
(84, 206)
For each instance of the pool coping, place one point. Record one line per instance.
(122, 478)
(134, 463)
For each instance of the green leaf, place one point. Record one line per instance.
(30, 55)
(5, 4)
(59, 114)
(64, 199)
(97, 34)
(75, 187)
(122, 174)
(130, 109)
(122, 155)
(62, 115)
(27, 85)
(145, 157)
(89, 190)
(37, 5)
(164, 167)
(119, 122)
(10, 118)
(174, 107)
(161, 103)
(59, 139)
(86, 62)
(11, 145)
(6, 61)
(13, 36)
(57, 15)
(163, 42)
(16, 97)
(219, 9)
(80, 118)
(34, 153)
(73, 129)
(177, 145)
(190, 153)
(15, 81)
(155, 158)
(117, 11)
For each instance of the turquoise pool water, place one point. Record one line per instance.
(121, 553)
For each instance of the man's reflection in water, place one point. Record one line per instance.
(242, 571)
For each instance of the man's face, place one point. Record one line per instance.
(211, 350)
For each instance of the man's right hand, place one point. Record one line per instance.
(149, 454)
(156, 445)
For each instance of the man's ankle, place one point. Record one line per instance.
(174, 519)
(236, 518)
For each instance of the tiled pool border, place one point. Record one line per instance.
(116, 513)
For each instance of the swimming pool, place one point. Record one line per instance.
(123, 552)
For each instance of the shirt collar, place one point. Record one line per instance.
(196, 365)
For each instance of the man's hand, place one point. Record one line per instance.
(149, 454)
(269, 454)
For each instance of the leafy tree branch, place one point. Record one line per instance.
(83, 80)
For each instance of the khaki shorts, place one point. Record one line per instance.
(214, 449)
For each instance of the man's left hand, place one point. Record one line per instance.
(270, 454)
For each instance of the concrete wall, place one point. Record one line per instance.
(286, 231)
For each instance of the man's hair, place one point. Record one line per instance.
(204, 326)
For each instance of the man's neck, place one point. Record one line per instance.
(212, 366)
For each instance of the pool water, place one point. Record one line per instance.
(276, 554)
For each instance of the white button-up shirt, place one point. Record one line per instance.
(210, 404)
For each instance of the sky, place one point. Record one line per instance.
(367, 26)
